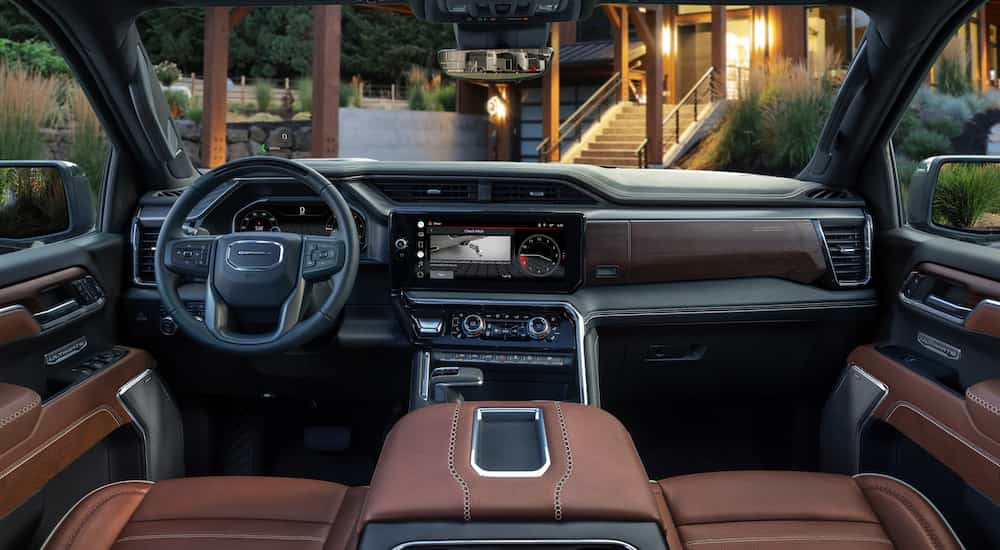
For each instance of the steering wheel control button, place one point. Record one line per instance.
(189, 256)
(321, 258)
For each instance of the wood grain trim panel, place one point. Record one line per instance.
(695, 250)
(935, 418)
(26, 292)
(69, 425)
(17, 323)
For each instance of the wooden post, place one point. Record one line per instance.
(192, 85)
(668, 47)
(622, 52)
(654, 87)
(983, 43)
(326, 81)
(550, 100)
(719, 51)
(213, 127)
(787, 24)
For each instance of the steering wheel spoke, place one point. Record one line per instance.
(322, 257)
(190, 256)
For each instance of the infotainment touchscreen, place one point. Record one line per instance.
(522, 251)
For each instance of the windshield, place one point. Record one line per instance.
(713, 88)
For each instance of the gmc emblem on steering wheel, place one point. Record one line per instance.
(254, 255)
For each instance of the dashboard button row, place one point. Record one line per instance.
(503, 358)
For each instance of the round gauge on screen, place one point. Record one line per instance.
(359, 223)
(539, 255)
(258, 220)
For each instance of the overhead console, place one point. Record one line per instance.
(507, 252)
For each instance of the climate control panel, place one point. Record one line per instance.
(506, 326)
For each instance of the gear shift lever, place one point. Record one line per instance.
(445, 379)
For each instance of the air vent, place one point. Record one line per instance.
(145, 252)
(447, 191)
(848, 246)
(171, 193)
(538, 191)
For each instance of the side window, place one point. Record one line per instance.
(52, 147)
(955, 113)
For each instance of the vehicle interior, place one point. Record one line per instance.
(347, 353)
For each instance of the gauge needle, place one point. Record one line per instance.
(546, 258)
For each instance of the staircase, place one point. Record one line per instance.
(619, 142)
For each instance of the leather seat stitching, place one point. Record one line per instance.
(97, 507)
(928, 531)
(466, 494)
(168, 536)
(702, 542)
(561, 484)
(978, 400)
(28, 407)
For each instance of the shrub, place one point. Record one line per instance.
(262, 91)
(923, 142)
(33, 56)
(965, 192)
(167, 73)
(177, 101)
(194, 113)
(952, 78)
(793, 117)
(417, 99)
(304, 87)
(442, 98)
(89, 149)
(905, 168)
(346, 93)
(27, 100)
(948, 127)
(932, 104)
(357, 91)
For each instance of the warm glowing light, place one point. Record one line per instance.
(668, 40)
(496, 108)
(760, 33)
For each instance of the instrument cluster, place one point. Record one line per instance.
(302, 217)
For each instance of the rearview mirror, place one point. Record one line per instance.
(42, 201)
(957, 196)
(495, 65)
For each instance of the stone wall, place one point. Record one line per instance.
(364, 133)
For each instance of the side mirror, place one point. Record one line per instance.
(42, 201)
(958, 197)
(495, 65)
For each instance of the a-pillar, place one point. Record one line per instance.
(719, 62)
(550, 100)
(214, 104)
(326, 81)
(654, 87)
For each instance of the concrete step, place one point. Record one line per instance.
(608, 162)
(615, 130)
(613, 145)
(613, 153)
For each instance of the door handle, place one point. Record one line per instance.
(57, 314)
(947, 306)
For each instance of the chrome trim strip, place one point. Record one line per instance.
(947, 304)
(539, 422)
(520, 542)
(867, 235)
(577, 319)
(707, 310)
(142, 431)
(424, 368)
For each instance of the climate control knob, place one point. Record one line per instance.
(539, 328)
(473, 325)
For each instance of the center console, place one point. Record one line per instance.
(475, 350)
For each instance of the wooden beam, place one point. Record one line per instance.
(654, 88)
(326, 81)
(719, 61)
(551, 101)
(668, 28)
(983, 41)
(642, 28)
(237, 15)
(622, 53)
(611, 12)
(214, 105)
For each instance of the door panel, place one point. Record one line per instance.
(938, 426)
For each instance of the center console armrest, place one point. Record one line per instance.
(544, 462)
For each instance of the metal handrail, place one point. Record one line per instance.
(581, 113)
(690, 97)
(640, 153)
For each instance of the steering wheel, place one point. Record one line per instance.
(256, 271)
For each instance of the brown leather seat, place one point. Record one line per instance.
(219, 513)
(785, 510)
